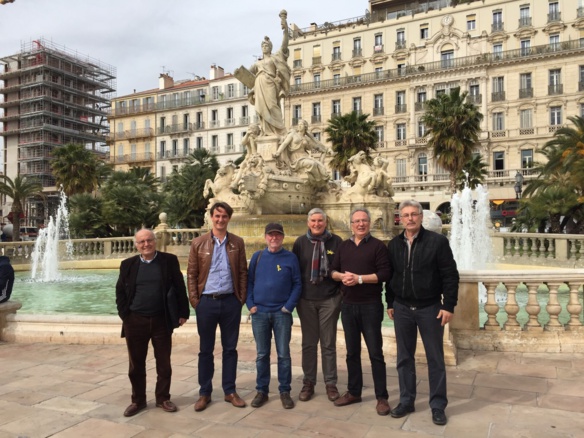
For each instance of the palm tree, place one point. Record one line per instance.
(86, 217)
(562, 177)
(76, 169)
(19, 190)
(350, 133)
(453, 127)
(473, 173)
(184, 201)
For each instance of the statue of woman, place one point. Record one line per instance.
(272, 83)
(295, 152)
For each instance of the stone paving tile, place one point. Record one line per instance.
(509, 396)
(522, 369)
(565, 388)
(41, 423)
(70, 389)
(384, 432)
(540, 422)
(98, 392)
(563, 402)
(559, 360)
(518, 383)
(96, 428)
(183, 422)
(26, 398)
(285, 421)
(325, 427)
(70, 405)
(227, 430)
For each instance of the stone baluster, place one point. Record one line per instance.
(574, 308)
(508, 246)
(512, 309)
(532, 308)
(552, 249)
(553, 307)
(572, 249)
(516, 248)
(537, 243)
(491, 307)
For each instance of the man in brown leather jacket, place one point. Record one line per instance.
(217, 283)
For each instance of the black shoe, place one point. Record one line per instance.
(401, 411)
(286, 400)
(439, 417)
(259, 400)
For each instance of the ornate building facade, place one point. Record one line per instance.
(523, 67)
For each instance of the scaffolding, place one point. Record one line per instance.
(51, 96)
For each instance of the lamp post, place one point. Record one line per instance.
(518, 185)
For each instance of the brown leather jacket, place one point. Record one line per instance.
(200, 262)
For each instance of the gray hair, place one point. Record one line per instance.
(364, 210)
(411, 203)
(317, 211)
(145, 229)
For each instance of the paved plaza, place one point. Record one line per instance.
(82, 390)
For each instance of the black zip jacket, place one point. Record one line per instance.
(427, 276)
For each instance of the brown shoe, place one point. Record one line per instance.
(235, 400)
(133, 409)
(383, 407)
(307, 391)
(167, 406)
(346, 399)
(202, 403)
(332, 392)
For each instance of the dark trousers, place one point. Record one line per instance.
(407, 322)
(225, 313)
(139, 331)
(318, 321)
(364, 319)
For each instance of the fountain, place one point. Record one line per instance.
(469, 236)
(45, 256)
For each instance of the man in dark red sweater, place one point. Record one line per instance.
(361, 264)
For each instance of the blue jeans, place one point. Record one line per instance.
(226, 313)
(364, 319)
(262, 324)
(407, 322)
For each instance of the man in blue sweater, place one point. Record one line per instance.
(274, 286)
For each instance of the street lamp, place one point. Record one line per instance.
(518, 184)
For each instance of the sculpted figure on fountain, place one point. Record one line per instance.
(294, 156)
(269, 82)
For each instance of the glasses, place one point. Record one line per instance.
(142, 242)
(360, 221)
(412, 215)
(274, 236)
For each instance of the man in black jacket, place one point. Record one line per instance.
(6, 278)
(152, 301)
(421, 295)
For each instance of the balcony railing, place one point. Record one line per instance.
(525, 93)
(580, 12)
(316, 119)
(555, 89)
(498, 96)
(336, 56)
(378, 48)
(400, 44)
(419, 106)
(554, 16)
(357, 53)
(378, 111)
(524, 21)
(335, 114)
(497, 26)
(476, 99)
(297, 63)
(401, 108)
(316, 60)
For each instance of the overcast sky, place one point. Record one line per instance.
(141, 37)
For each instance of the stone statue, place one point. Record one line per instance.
(382, 179)
(294, 153)
(249, 140)
(269, 80)
(221, 185)
(362, 177)
(252, 177)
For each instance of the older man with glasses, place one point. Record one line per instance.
(421, 296)
(152, 301)
(361, 265)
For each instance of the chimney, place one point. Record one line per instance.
(216, 72)
(165, 81)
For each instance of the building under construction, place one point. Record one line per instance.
(51, 96)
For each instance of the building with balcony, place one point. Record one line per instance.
(50, 96)
(525, 72)
(160, 128)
